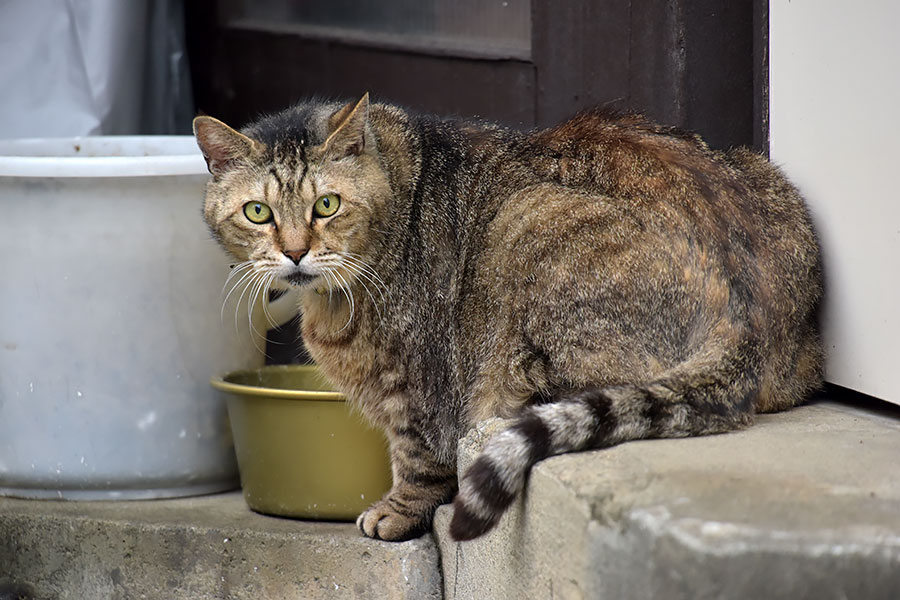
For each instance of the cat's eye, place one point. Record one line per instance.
(327, 205)
(258, 212)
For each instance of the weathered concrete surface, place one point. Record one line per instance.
(805, 504)
(206, 547)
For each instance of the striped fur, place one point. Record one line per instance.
(601, 281)
(590, 418)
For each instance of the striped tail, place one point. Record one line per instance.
(596, 418)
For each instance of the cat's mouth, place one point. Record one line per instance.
(299, 278)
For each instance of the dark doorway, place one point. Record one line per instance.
(524, 63)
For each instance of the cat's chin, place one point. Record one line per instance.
(299, 279)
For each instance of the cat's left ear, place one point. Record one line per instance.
(222, 147)
(347, 129)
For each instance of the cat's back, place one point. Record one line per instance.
(624, 155)
(613, 205)
(735, 200)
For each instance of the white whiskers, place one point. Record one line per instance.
(238, 268)
(362, 270)
(355, 270)
(341, 272)
(257, 281)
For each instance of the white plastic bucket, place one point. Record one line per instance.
(110, 327)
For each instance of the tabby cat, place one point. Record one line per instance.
(601, 281)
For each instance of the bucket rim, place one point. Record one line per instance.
(101, 156)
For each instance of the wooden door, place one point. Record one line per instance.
(524, 63)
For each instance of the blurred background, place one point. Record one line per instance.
(92, 67)
(526, 63)
(79, 67)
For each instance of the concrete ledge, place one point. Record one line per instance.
(805, 504)
(205, 547)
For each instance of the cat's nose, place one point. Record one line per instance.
(295, 255)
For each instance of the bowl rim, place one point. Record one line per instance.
(220, 382)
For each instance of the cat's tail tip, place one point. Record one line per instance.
(466, 525)
(491, 484)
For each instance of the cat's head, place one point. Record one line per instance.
(295, 194)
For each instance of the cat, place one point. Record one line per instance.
(605, 280)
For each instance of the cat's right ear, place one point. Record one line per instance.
(222, 147)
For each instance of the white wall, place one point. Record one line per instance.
(834, 73)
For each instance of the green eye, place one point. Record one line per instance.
(327, 205)
(258, 212)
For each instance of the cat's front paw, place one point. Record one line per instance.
(384, 521)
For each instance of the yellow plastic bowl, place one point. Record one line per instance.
(301, 452)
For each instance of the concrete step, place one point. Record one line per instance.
(204, 547)
(805, 504)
